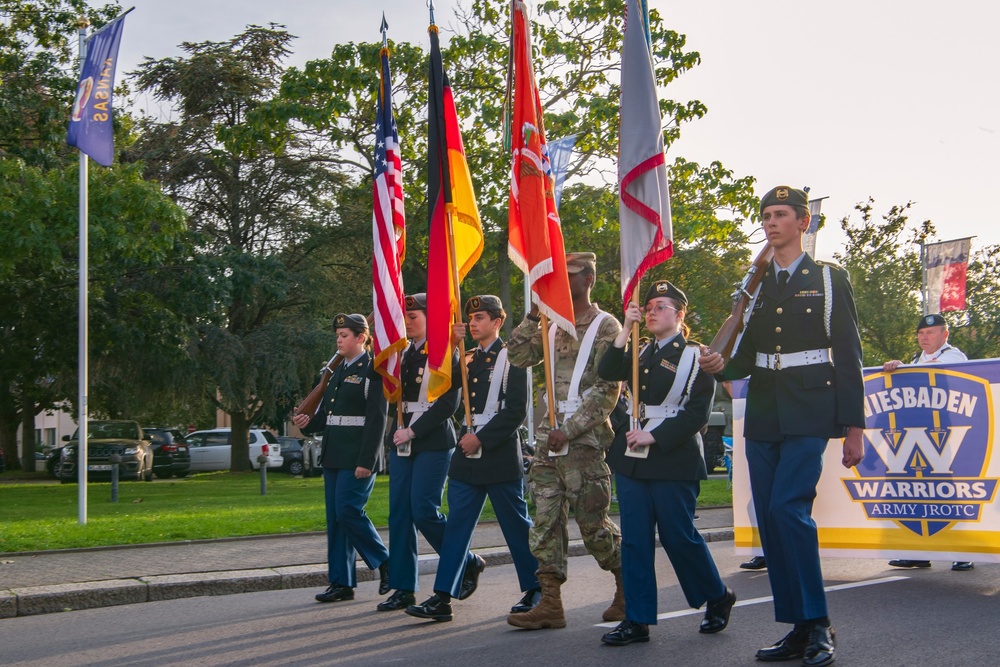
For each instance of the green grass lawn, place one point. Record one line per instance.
(40, 516)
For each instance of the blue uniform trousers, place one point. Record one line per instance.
(348, 527)
(667, 506)
(465, 504)
(783, 478)
(416, 483)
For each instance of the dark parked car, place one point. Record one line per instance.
(301, 456)
(170, 452)
(104, 440)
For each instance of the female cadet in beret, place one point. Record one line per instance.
(658, 467)
(352, 419)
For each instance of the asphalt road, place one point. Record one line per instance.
(882, 616)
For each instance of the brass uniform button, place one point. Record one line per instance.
(779, 311)
(419, 379)
(828, 383)
(805, 272)
(643, 387)
(777, 348)
(475, 380)
(676, 344)
(777, 329)
(809, 310)
(473, 394)
(645, 370)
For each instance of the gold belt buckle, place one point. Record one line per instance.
(777, 361)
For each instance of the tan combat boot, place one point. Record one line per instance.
(549, 611)
(616, 612)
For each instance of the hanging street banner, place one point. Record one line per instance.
(945, 267)
(90, 125)
(927, 486)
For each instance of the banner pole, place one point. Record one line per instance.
(531, 397)
(923, 279)
(82, 342)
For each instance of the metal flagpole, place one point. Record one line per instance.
(82, 409)
(531, 394)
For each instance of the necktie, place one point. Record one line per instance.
(782, 279)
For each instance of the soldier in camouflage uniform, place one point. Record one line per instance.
(568, 471)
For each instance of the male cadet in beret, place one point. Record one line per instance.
(418, 464)
(932, 337)
(659, 467)
(802, 351)
(352, 418)
(568, 471)
(487, 463)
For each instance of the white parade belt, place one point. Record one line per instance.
(656, 411)
(778, 361)
(344, 420)
(483, 419)
(416, 407)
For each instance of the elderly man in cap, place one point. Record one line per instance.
(568, 471)
(932, 337)
(352, 419)
(802, 350)
(487, 463)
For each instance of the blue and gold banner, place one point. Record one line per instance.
(927, 486)
(90, 127)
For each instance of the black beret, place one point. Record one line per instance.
(935, 320)
(354, 321)
(486, 302)
(665, 288)
(417, 301)
(784, 195)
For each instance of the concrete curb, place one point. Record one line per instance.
(92, 594)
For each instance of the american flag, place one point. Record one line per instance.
(389, 234)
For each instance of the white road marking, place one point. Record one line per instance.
(769, 598)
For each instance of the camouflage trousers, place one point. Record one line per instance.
(581, 482)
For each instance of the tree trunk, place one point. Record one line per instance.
(9, 421)
(27, 433)
(240, 460)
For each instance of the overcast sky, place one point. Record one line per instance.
(894, 99)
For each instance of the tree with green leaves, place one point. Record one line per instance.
(133, 229)
(577, 43)
(262, 202)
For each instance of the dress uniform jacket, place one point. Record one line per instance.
(501, 458)
(433, 431)
(819, 400)
(355, 390)
(675, 454)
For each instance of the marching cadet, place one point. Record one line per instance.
(568, 471)
(352, 418)
(487, 463)
(418, 465)
(802, 351)
(658, 467)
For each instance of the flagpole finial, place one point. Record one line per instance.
(82, 22)
(384, 29)
(430, 5)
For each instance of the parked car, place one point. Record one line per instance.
(104, 440)
(211, 449)
(301, 456)
(170, 452)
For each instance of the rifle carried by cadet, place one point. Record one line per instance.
(725, 340)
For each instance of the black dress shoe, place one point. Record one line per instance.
(528, 602)
(791, 647)
(398, 600)
(336, 593)
(904, 562)
(717, 614)
(434, 608)
(755, 563)
(626, 633)
(383, 578)
(819, 650)
(962, 566)
(470, 580)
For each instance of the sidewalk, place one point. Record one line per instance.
(67, 580)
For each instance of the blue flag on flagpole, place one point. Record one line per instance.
(90, 127)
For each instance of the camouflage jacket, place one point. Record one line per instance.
(589, 425)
